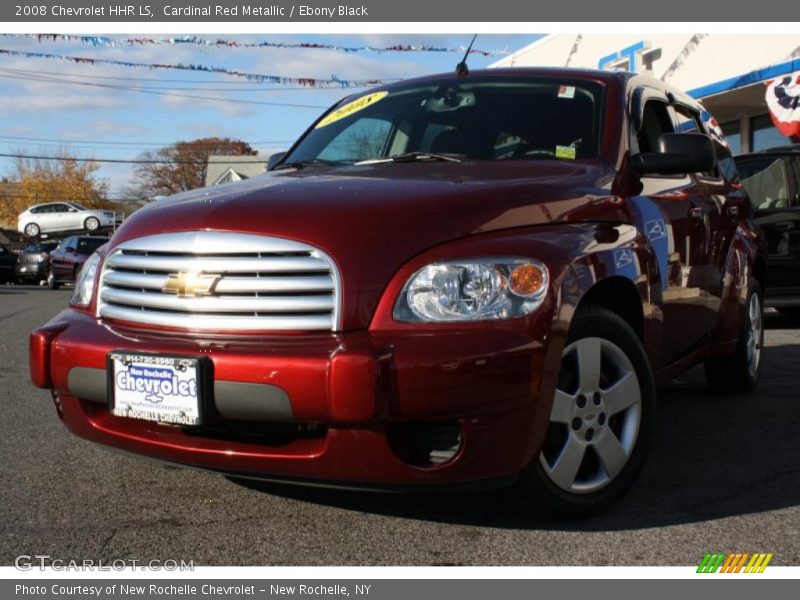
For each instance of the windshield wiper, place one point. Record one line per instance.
(309, 162)
(410, 157)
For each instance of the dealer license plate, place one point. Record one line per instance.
(155, 388)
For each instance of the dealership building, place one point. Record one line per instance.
(728, 73)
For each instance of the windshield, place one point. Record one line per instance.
(474, 118)
(78, 206)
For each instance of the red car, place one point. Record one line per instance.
(458, 281)
(67, 259)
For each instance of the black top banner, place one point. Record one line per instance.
(443, 11)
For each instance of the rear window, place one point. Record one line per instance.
(43, 247)
(89, 245)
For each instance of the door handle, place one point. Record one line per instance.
(784, 225)
(695, 212)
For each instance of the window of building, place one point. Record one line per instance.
(733, 134)
(763, 134)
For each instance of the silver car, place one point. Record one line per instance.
(62, 216)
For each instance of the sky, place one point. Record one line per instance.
(48, 99)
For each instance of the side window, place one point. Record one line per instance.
(37, 210)
(58, 208)
(655, 121)
(364, 139)
(770, 182)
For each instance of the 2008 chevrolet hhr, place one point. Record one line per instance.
(458, 281)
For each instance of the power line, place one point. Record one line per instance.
(120, 160)
(246, 83)
(251, 85)
(144, 91)
(99, 143)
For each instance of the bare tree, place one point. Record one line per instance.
(181, 166)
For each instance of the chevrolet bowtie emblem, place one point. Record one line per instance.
(188, 285)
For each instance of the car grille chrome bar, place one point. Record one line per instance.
(251, 283)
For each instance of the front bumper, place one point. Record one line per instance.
(322, 407)
(31, 271)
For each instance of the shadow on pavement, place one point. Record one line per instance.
(715, 456)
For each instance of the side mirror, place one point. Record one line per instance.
(274, 159)
(678, 153)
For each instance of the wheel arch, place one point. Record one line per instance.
(623, 279)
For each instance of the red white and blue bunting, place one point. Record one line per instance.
(112, 42)
(311, 82)
(783, 100)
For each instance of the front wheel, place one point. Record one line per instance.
(739, 373)
(601, 423)
(52, 282)
(91, 224)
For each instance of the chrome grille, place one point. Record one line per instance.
(263, 283)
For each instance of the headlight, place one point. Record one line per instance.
(84, 287)
(473, 290)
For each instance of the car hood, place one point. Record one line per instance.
(372, 219)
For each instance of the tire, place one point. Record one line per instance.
(739, 373)
(569, 478)
(32, 230)
(790, 312)
(52, 283)
(91, 224)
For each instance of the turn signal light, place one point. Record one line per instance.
(527, 280)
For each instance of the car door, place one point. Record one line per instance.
(773, 183)
(46, 217)
(73, 218)
(724, 203)
(59, 217)
(60, 258)
(676, 217)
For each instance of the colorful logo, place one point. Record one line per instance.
(740, 562)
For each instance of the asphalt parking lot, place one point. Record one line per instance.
(723, 476)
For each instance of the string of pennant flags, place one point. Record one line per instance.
(310, 82)
(106, 41)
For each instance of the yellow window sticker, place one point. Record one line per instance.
(565, 152)
(352, 108)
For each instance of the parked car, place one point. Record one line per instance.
(772, 179)
(68, 258)
(458, 281)
(62, 216)
(8, 261)
(34, 262)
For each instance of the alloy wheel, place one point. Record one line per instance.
(755, 335)
(595, 419)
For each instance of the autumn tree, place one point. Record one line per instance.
(181, 166)
(59, 175)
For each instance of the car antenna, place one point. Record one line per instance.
(461, 68)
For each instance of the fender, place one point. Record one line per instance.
(741, 263)
(579, 256)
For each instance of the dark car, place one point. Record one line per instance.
(34, 262)
(772, 180)
(8, 261)
(458, 281)
(68, 258)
